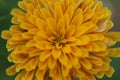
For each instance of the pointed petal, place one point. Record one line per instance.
(34, 52)
(56, 53)
(58, 11)
(44, 55)
(40, 74)
(65, 71)
(96, 47)
(64, 60)
(77, 51)
(51, 63)
(66, 49)
(42, 65)
(29, 75)
(86, 64)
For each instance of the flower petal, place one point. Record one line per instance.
(66, 49)
(115, 52)
(11, 70)
(85, 63)
(40, 74)
(6, 34)
(56, 53)
(29, 75)
(64, 60)
(20, 76)
(114, 35)
(51, 63)
(44, 55)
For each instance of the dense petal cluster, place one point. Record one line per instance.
(61, 40)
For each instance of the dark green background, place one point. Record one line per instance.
(7, 5)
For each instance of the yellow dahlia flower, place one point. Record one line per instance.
(61, 40)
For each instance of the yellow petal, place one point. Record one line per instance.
(58, 11)
(64, 60)
(17, 12)
(51, 24)
(89, 77)
(114, 35)
(17, 37)
(65, 71)
(30, 8)
(95, 37)
(86, 63)
(78, 18)
(11, 70)
(14, 28)
(17, 58)
(41, 45)
(44, 55)
(22, 5)
(40, 74)
(88, 14)
(51, 63)
(85, 28)
(56, 53)
(71, 39)
(114, 52)
(96, 47)
(41, 24)
(70, 31)
(30, 43)
(101, 54)
(27, 35)
(26, 26)
(77, 51)
(45, 13)
(33, 31)
(34, 52)
(10, 47)
(110, 72)
(31, 64)
(100, 74)
(29, 75)
(53, 72)
(74, 60)
(84, 39)
(10, 58)
(95, 60)
(78, 3)
(42, 65)
(77, 42)
(58, 75)
(20, 76)
(67, 78)
(61, 27)
(6, 34)
(66, 49)
(102, 26)
(15, 20)
(70, 11)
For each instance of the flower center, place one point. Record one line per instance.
(59, 42)
(58, 39)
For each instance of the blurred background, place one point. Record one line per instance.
(7, 5)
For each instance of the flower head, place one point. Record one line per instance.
(61, 40)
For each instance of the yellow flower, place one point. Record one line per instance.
(61, 40)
